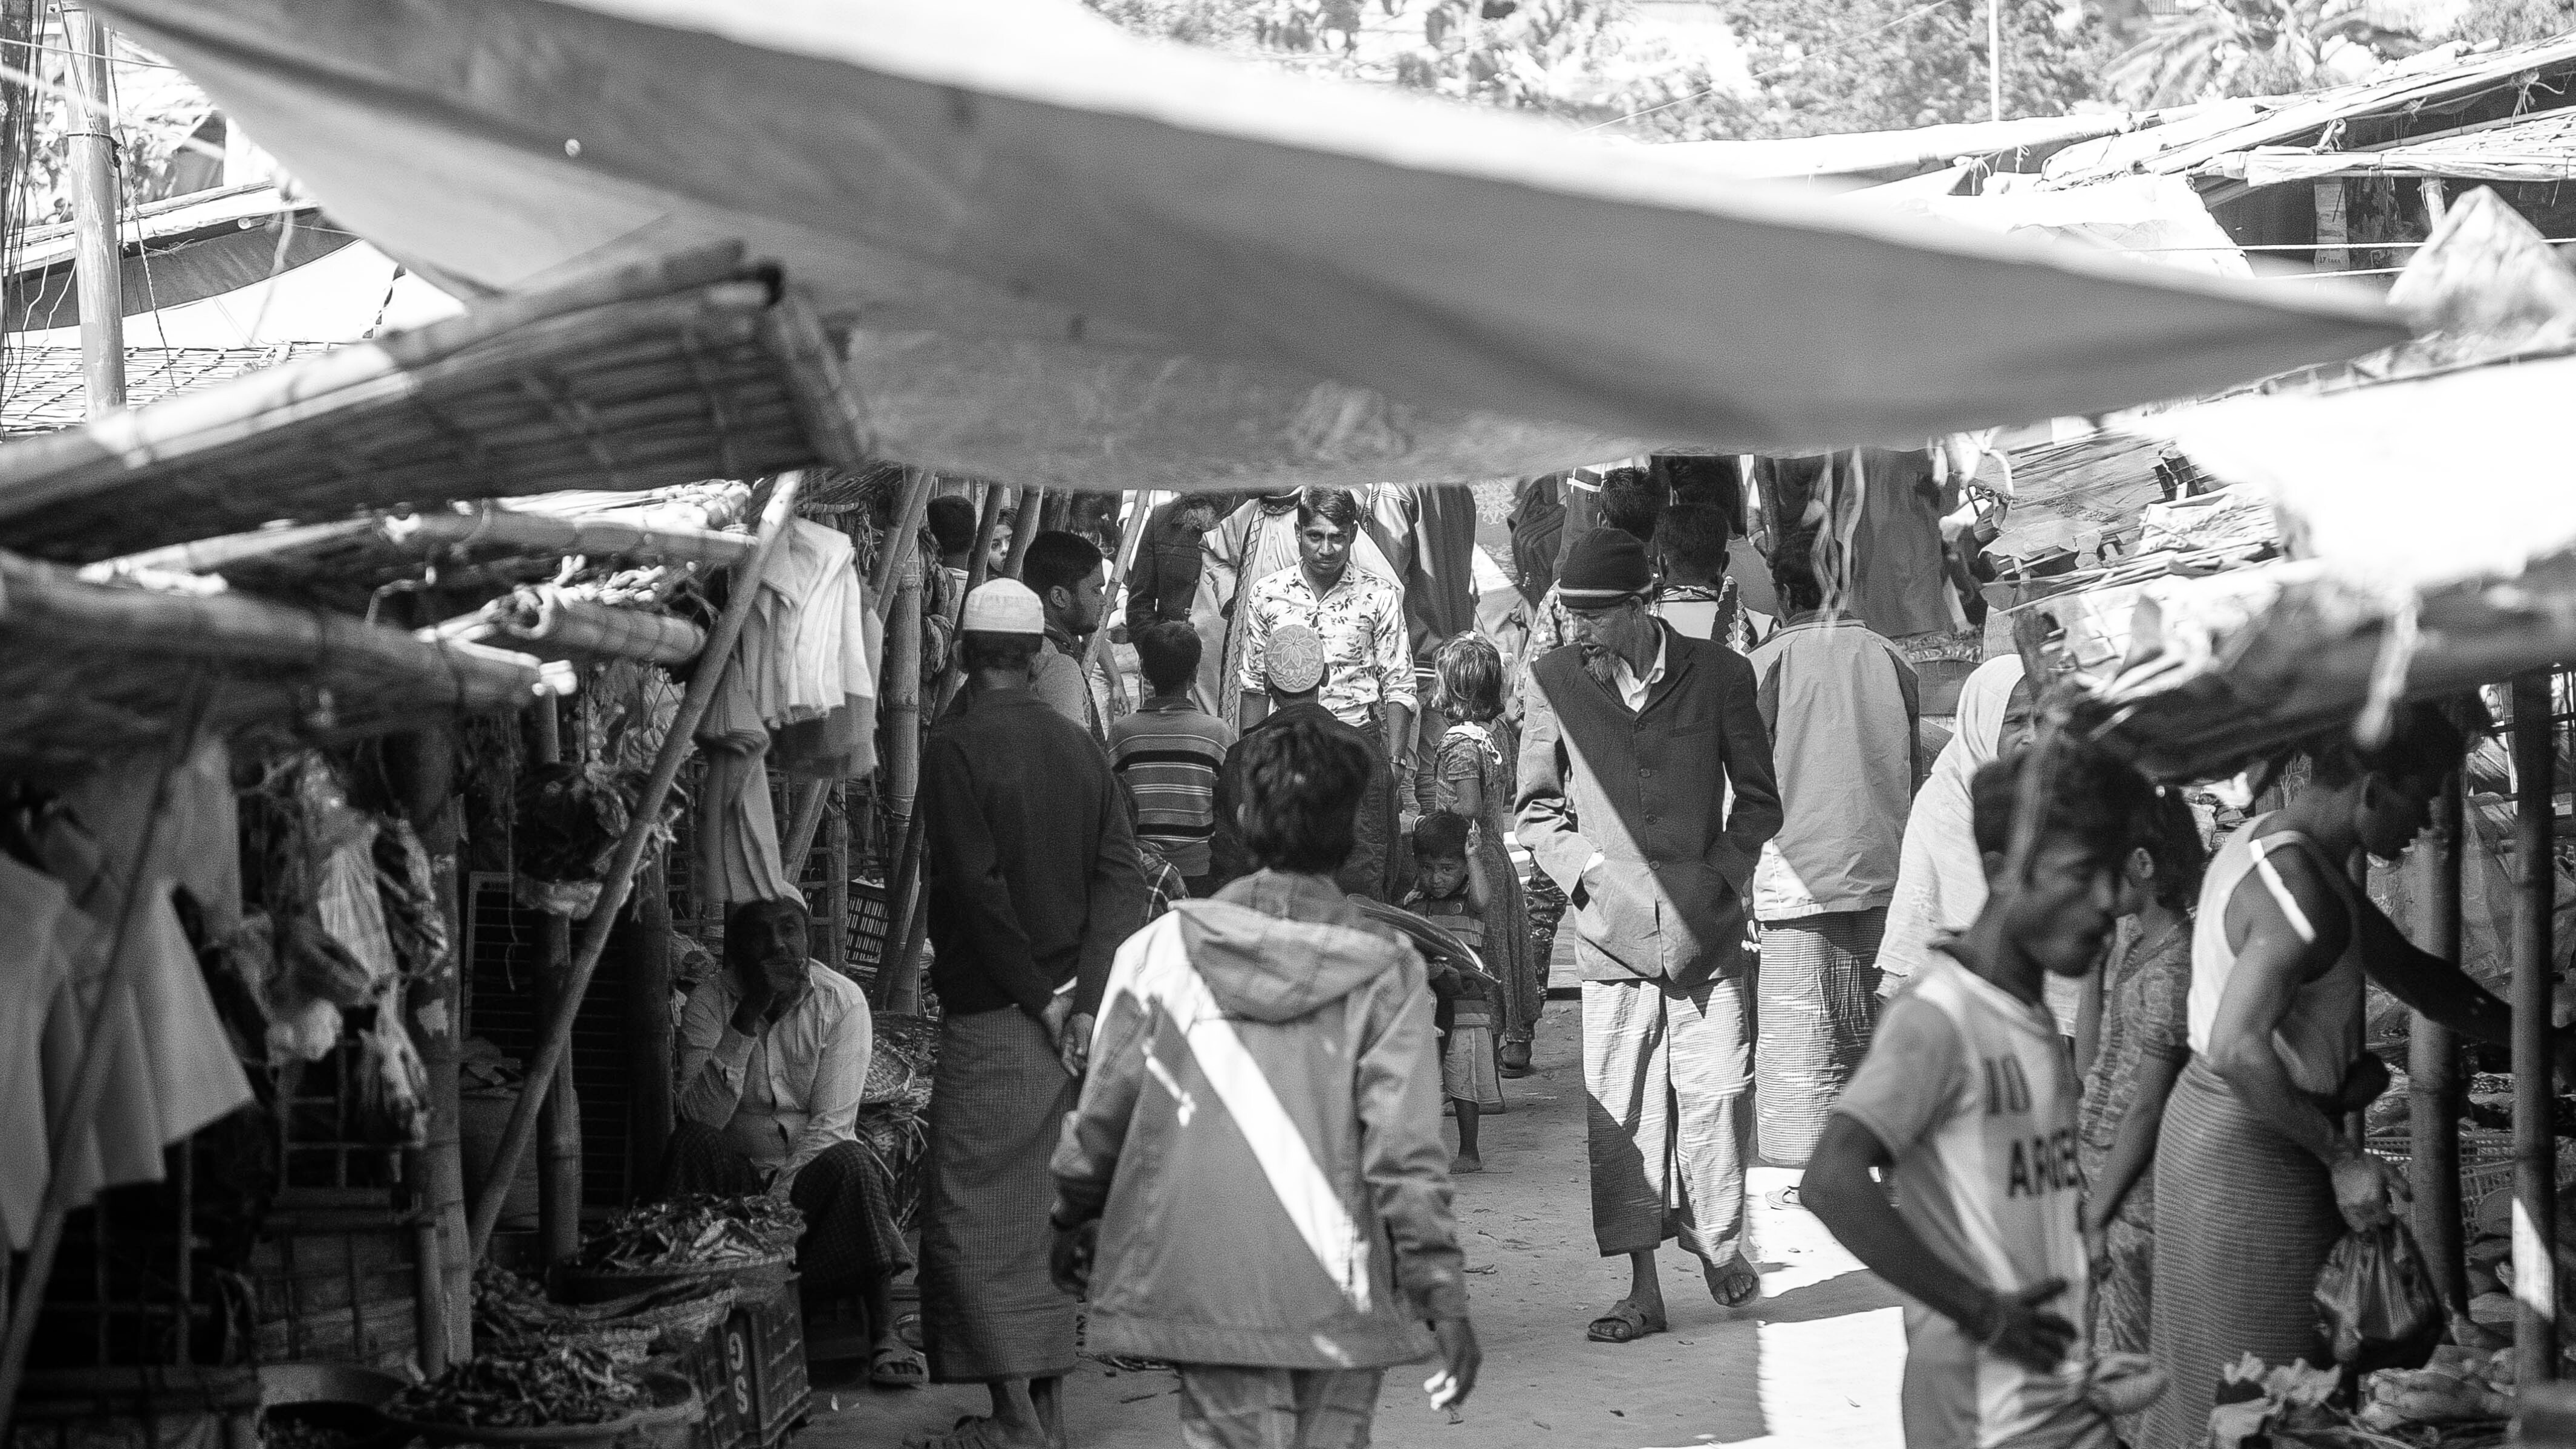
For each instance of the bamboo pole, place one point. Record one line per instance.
(2433, 1064)
(903, 759)
(676, 745)
(835, 936)
(100, 270)
(559, 1115)
(1130, 538)
(2535, 1188)
(901, 545)
(803, 820)
(1025, 527)
(906, 921)
(648, 1025)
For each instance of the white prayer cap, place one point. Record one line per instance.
(1003, 606)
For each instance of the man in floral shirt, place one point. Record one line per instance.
(1368, 683)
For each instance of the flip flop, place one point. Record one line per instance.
(1515, 1059)
(1624, 1323)
(897, 1366)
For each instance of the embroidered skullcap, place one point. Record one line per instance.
(1295, 659)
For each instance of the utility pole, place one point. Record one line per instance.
(98, 260)
(1994, 60)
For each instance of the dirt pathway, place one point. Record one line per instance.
(1815, 1365)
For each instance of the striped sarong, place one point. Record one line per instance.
(1670, 1118)
(1818, 1002)
(989, 1310)
(2243, 1222)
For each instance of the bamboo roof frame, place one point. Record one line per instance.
(91, 670)
(673, 370)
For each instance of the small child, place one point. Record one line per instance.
(1450, 892)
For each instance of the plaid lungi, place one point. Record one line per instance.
(989, 1308)
(1819, 1001)
(1671, 1117)
(852, 1233)
(1544, 904)
(1226, 1407)
(2244, 1219)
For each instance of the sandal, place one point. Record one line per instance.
(1624, 1323)
(1515, 1060)
(971, 1432)
(897, 1366)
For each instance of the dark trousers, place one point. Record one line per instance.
(852, 1234)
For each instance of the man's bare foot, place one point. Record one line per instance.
(1735, 1284)
(1465, 1162)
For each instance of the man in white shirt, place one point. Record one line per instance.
(773, 1063)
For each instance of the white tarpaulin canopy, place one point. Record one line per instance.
(1063, 255)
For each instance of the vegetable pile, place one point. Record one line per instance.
(526, 1385)
(2459, 1386)
(695, 1231)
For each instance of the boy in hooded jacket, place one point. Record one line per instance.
(1253, 1186)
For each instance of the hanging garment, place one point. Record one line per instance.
(814, 676)
(34, 965)
(737, 832)
(173, 1069)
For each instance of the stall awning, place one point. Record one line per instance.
(2438, 543)
(1063, 255)
(2528, 148)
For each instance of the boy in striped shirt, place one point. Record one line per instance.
(1168, 754)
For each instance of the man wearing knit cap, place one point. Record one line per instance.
(1635, 735)
(1294, 667)
(1034, 883)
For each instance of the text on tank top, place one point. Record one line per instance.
(2320, 1038)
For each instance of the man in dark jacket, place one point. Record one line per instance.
(1253, 1186)
(1033, 885)
(1165, 576)
(1635, 735)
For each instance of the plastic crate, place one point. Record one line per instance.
(867, 924)
(750, 1369)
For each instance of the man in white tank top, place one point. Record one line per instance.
(1968, 1102)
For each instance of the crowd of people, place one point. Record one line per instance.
(1192, 1066)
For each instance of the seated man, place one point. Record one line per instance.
(773, 1058)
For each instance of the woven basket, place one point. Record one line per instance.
(667, 1425)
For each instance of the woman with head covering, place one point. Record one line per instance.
(1940, 881)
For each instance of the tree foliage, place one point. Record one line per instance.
(1827, 66)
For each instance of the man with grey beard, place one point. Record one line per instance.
(1635, 736)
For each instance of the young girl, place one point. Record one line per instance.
(2144, 1047)
(1450, 891)
(1473, 776)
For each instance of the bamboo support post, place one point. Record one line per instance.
(2535, 1143)
(835, 936)
(433, 1017)
(99, 273)
(649, 1030)
(797, 846)
(1025, 527)
(2433, 1064)
(906, 921)
(559, 1115)
(903, 763)
(1103, 649)
(899, 548)
(676, 744)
